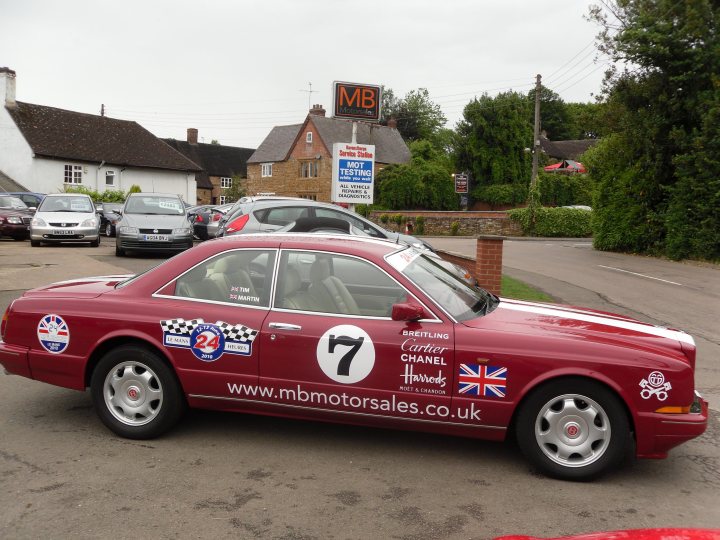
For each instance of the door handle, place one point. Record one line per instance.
(284, 326)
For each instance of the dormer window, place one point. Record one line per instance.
(308, 137)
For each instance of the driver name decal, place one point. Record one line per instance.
(206, 341)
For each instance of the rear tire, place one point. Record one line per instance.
(35, 243)
(95, 243)
(135, 393)
(573, 429)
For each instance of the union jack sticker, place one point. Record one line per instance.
(480, 380)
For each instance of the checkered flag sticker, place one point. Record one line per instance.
(237, 332)
(180, 326)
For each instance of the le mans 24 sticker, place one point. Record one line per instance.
(53, 333)
(206, 341)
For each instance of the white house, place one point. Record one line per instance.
(46, 149)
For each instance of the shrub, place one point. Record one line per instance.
(557, 189)
(420, 225)
(454, 228)
(110, 195)
(498, 194)
(134, 189)
(398, 219)
(384, 218)
(555, 222)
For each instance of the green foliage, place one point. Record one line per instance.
(454, 228)
(554, 116)
(586, 120)
(514, 288)
(110, 195)
(418, 118)
(398, 219)
(558, 189)
(492, 137)
(134, 189)
(384, 218)
(420, 225)
(499, 194)
(656, 175)
(553, 222)
(424, 183)
(236, 191)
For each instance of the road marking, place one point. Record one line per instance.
(641, 275)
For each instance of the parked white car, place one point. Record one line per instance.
(65, 217)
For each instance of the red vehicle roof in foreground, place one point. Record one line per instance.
(634, 534)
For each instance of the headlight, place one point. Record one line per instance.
(90, 222)
(15, 220)
(128, 230)
(39, 222)
(182, 231)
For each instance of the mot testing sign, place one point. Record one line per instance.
(461, 183)
(353, 178)
(357, 101)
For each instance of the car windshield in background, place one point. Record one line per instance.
(112, 207)
(166, 206)
(459, 299)
(82, 205)
(11, 202)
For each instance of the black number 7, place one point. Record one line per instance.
(347, 358)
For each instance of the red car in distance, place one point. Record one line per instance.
(360, 331)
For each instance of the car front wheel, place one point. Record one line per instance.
(573, 429)
(135, 393)
(108, 230)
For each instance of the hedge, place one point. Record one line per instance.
(555, 222)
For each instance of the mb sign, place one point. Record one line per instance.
(357, 101)
(353, 173)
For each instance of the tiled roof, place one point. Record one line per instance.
(566, 149)
(214, 159)
(8, 184)
(389, 144)
(59, 133)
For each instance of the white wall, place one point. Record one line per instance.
(16, 156)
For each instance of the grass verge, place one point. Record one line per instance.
(519, 290)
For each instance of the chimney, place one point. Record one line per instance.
(192, 134)
(7, 87)
(317, 110)
(392, 123)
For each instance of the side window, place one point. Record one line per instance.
(355, 222)
(337, 284)
(283, 215)
(240, 277)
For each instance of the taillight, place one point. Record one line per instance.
(237, 224)
(216, 217)
(198, 218)
(3, 324)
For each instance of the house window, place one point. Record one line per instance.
(266, 169)
(109, 178)
(308, 196)
(73, 174)
(309, 169)
(222, 199)
(308, 137)
(226, 182)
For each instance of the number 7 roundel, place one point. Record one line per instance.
(346, 354)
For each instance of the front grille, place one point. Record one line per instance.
(64, 224)
(156, 231)
(63, 236)
(134, 244)
(26, 220)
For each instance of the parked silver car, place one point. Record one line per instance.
(65, 217)
(154, 222)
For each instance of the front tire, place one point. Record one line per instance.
(34, 243)
(108, 230)
(135, 393)
(119, 252)
(573, 429)
(95, 243)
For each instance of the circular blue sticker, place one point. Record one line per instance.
(207, 342)
(53, 333)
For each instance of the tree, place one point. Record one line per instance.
(586, 120)
(554, 117)
(492, 138)
(659, 156)
(424, 183)
(236, 191)
(416, 115)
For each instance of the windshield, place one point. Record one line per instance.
(69, 203)
(454, 295)
(155, 205)
(112, 207)
(11, 202)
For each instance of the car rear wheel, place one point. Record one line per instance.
(95, 243)
(135, 393)
(35, 243)
(573, 429)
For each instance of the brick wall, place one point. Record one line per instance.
(470, 223)
(486, 267)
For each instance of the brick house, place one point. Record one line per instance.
(296, 160)
(219, 163)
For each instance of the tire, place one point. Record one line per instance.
(18, 238)
(573, 429)
(34, 243)
(119, 252)
(108, 230)
(95, 243)
(135, 393)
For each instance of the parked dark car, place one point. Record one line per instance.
(202, 216)
(31, 199)
(110, 215)
(15, 218)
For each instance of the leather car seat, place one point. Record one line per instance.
(231, 271)
(327, 293)
(196, 284)
(293, 297)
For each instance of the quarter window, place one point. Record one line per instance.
(266, 169)
(73, 174)
(355, 222)
(225, 182)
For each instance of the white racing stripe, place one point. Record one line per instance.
(641, 275)
(596, 319)
(94, 279)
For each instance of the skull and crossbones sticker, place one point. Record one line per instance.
(655, 385)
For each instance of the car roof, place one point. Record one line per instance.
(342, 243)
(68, 195)
(153, 194)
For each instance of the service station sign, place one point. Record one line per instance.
(357, 101)
(353, 173)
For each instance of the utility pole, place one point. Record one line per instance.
(102, 109)
(536, 134)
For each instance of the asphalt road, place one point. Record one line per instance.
(226, 475)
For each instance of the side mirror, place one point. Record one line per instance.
(407, 312)
(33, 208)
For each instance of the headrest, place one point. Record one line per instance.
(319, 270)
(196, 274)
(292, 282)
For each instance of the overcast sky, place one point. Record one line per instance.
(235, 69)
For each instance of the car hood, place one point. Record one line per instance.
(89, 287)
(20, 212)
(65, 217)
(155, 221)
(558, 321)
